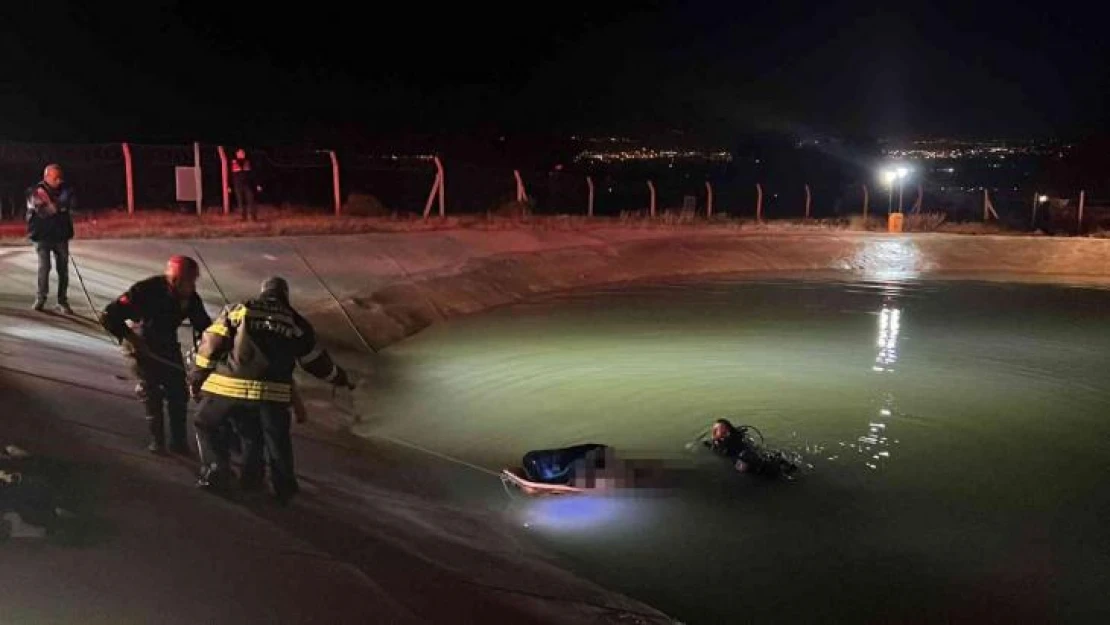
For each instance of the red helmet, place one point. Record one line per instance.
(182, 267)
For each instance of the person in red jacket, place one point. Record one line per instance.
(242, 180)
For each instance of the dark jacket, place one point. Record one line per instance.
(250, 351)
(159, 314)
(760, 462)
(49, 218)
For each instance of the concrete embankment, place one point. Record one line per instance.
(396, 284)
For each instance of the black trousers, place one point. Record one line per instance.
(163, 392)
(244, 196)
(264, 429)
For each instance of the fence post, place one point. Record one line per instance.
(866, 201)
(758, 202)
(590, 200)
(521, 193)
(432, 196)
(197, 179)
(335, 183)
(809, 198)
(1082, 200)
(651, 188)
(708, 200)
(442, 187)
(223, 179)
(129, 179)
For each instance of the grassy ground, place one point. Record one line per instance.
(274, 222)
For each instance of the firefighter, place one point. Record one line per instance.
(243, 375)
(145, 320)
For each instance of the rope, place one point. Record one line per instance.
(436, 454)
(211, 275)
(335, 299)
(149, 355)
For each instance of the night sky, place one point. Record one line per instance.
(158, 70)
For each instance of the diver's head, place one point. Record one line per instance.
(722, 429)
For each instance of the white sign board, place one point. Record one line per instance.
(186, 180)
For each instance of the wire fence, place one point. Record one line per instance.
(403, 184)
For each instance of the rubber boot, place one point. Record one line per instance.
(157, 434)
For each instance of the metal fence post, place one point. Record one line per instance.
(223, 179)
(129, 179)
(198, 180)
(335, 183)
(590, 198)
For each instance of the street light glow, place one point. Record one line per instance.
(891, 174)
(1042, 198)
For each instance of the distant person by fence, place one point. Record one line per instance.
(50, 227)
(242, 180)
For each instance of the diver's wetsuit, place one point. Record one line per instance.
(556, 466)
(736, 447)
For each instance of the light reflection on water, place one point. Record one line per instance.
(876, 442)
(991, 397)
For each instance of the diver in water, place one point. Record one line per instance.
(732, 442)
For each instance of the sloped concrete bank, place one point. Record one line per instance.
(403, 283)
(395, 284)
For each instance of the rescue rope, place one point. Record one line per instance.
(113, 340)
(335, 299)
(415, 447)
(211, 275)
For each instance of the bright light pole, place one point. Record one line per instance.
(902, 173)
(1037, 201)
(888, 177)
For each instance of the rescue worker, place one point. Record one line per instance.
(732, 442)
(242, 180)
(243, 376)
(155, 308)
(50, 227)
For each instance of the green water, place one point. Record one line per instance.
(957, 432)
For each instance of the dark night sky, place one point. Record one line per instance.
(163, 70)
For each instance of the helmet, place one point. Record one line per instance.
(182, 267)
(277, 287)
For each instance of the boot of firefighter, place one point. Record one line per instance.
(157, 428)
(177, 409)
(151, 397)
(215, 469)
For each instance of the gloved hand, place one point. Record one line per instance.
(138, 345)
(195, 381)
(341, 379)
(300, 413)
